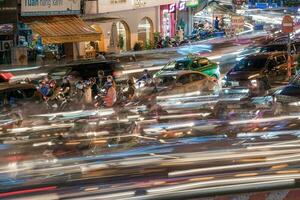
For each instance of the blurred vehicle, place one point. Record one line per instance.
(5, 77)
(20, 96)
(179, 82)
(86, 69)
(258, 72)
(271, 47)
(289, 93)
(10, 119)
(193, 63)
(274, 47)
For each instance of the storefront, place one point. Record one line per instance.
(57, 27)
(175, 16)
(213, 16)
(8, 28)
(126, 29)
(145, 31)
(168, 20)
(264, 4)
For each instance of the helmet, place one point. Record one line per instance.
(130, 82)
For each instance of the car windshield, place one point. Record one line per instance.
(273, 48)
(166, 81)
(177, 65)
(251, 64)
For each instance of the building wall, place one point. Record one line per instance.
(132, 19)
(109, 6)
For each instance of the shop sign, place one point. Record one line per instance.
(237, 23)
(6, 29)
(287, 24)
(239, 2)
(180, 7)
(50, 7)
(192, 3)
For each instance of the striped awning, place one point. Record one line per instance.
(61, 29)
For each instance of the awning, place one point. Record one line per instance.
(61, 29)
(101, 18)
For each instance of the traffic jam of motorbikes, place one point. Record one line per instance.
(215, 114)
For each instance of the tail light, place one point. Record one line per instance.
(6, 76)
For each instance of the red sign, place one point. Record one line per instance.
(287, 24)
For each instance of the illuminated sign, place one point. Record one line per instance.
(50, 7)
(172, 8)
(180, 7)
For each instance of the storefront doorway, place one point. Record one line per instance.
(145, 31)
(123, 36)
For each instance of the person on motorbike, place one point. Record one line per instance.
(129, 94)
(99, 83)
(65, 87)
(44, 89)
(110, 97)
(146, 77)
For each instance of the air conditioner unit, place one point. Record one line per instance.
(7, 45)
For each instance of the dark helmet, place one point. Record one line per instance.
(130, 82)
(101, 72)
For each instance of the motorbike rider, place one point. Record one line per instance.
(146, 77)
(129, 94)
(110, 97)
(65, 87)
(99, 83)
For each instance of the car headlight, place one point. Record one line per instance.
(254, 83)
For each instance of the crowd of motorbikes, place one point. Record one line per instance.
(99, 92)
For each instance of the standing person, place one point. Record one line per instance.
(180, 34)
(216, 23)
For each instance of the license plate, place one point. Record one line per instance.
(235, 83)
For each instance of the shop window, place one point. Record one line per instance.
(145, 31)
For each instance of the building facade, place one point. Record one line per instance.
(132, 21)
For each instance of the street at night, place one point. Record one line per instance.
(144, 99)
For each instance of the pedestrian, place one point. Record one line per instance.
(216, 23)
(180, 34)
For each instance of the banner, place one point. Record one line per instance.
(50, 7)
(237, 23)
